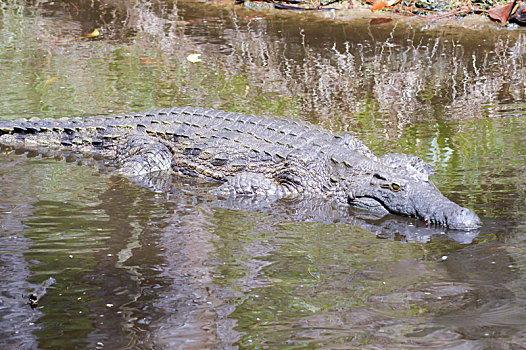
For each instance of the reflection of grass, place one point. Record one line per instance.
(69, 235)
(401, 82)
(13, 22)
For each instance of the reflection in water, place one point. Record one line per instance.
(193, 309)
(493, 309)
(182, 270)
(179, 269)
(15, 272)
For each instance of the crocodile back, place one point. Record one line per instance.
(189, 132)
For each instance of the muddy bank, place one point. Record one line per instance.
(503, 12)
(460, 14)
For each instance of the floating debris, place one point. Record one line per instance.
(194, 58)
(40, 291)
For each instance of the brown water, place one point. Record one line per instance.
(179, 269)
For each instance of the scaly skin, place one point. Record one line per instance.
(252, 156)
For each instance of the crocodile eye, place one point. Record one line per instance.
(395, 187)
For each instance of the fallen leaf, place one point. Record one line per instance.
(378, 6)
(95, 33)
(380, 20)
(148, 60)
(50, 80)
(194, 58)
(381, 4)
(501, 13)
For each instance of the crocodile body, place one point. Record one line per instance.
(251, 156)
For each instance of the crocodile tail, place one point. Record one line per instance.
(54, 133)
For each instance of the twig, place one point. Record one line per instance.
(450, 13)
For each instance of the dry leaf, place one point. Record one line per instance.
(95, 33)
(50, 80)
(381, 4)
(501, 13)
(148, 60)
(378, 6)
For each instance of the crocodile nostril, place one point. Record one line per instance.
(379, 177)
(463, 218)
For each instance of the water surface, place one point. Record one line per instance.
(180, 269)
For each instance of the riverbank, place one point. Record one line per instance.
(462, 13)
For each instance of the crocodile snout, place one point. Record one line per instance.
(462, 219)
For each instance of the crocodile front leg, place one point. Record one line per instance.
(252, 185)
(139, 155)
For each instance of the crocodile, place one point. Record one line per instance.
(263, 157)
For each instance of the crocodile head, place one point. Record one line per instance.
(415, 196)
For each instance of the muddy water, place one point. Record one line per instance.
(180, 269)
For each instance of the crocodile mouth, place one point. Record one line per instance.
(449, 214)
(370, 203)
